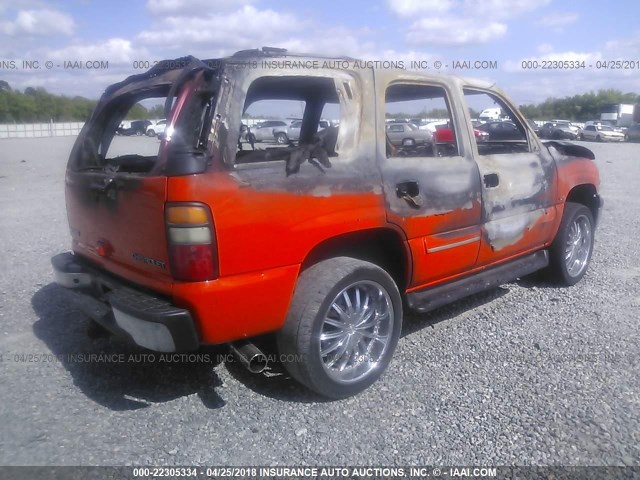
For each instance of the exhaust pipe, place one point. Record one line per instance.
(251, 357)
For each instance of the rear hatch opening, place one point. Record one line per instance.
(116, 185)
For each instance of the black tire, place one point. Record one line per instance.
(281, 138)
(138, 133)
(558, 270)
(299, 342)
(151, 133)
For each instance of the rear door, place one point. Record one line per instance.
(116, 186)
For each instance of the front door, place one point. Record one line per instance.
(517, 184)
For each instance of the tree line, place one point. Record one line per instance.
(581, 108)
(38, 105)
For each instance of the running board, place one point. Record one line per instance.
(434, 297)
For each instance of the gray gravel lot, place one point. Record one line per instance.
(525, 374)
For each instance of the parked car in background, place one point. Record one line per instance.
(557, 131)
(408, 135)
(534, 126)
(264, 132)
(137, 127)
(157, 129)
(444, 134)
(291, 133)
(572, 126)
(633, 133)
(502, 131)
(601, 133)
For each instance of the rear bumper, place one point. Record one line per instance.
(143, 318)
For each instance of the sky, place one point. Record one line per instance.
(127, 34)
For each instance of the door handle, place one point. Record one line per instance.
(409, 191)
(491, 180)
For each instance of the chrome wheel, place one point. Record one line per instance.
(578, 245)
(356, 331)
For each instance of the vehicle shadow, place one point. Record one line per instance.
(443, 316)
(146, 377)
(115, 374)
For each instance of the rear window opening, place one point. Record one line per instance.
(117, 135)
(126, 131)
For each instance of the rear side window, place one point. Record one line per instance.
(287, 116)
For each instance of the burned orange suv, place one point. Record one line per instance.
(208, 236)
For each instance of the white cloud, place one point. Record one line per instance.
(192, 8)
(500, 9)
(626, 48)
(38, 22)
(455, 23)
(407, 8)
(117, 50)
(245, 28)
(558, 21)
(544, 48)
(454, 31)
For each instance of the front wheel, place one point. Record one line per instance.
(281, 138)
(342, 328)
(571, 250)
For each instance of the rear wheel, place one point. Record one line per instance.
(342, 328)
(572, 248)
(151, 133)
(281, 138)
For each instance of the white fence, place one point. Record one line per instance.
(29, 130)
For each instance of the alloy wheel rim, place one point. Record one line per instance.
(578, 246)
(356, 331)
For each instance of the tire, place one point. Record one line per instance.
(281, 138)
(151, 133)
(577, 221)
(320, 307)
(138, 133)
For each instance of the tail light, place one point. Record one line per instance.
(192, 242)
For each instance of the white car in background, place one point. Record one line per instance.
(157, 129)
(600, 133)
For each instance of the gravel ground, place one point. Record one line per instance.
(526, 374)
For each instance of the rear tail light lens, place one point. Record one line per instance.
(192, 242)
